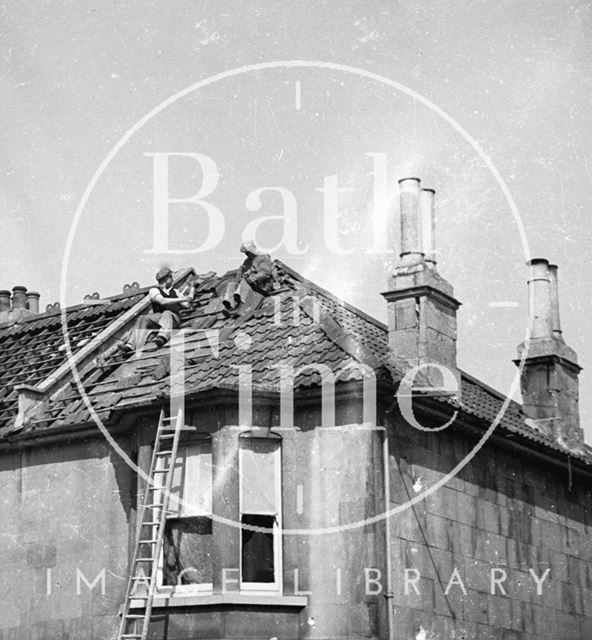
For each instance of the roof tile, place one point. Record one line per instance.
(30, 351)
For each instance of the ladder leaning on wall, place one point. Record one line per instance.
(150, 532)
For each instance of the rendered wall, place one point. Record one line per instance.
(62, 508)
(71, 507)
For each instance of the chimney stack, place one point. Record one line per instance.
(421, 306)
(549, 380)
(22, 305)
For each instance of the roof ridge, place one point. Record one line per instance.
(118, 297)
(332, 296)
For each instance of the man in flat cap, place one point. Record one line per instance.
(166, 303)
(254, 274)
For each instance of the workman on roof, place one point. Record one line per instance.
(254, 274)
(166, 302)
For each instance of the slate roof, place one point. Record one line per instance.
(299, 324)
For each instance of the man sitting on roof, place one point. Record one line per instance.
(166, 304)
(254, 274)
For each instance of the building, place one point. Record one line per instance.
(278, 523)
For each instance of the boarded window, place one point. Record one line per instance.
(187, 546)
(187, 557)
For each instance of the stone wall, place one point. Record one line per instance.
(504, 511)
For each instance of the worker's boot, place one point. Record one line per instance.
(125, 347)
(160, 341)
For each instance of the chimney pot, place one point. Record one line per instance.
(19, 297)
(554, 294)
(33, 301)
(411, 249)
(539, 298)
(428, 225)
(4, 300)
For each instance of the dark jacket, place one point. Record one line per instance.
(257, 271)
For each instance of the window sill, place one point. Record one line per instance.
(232, 598)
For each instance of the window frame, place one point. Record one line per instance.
(275, 587)
(206, 588)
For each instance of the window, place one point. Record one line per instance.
(260, 514)
(186, 562)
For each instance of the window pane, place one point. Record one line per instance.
(192, 480)
(257, 549)
(258, 476)
(187, 551)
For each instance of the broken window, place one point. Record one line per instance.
(187, 545)
(260, 513)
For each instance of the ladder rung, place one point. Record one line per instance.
(167, 513)
(167, 435)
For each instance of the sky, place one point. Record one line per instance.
(513, 76)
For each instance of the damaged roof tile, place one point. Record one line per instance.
(301, 324)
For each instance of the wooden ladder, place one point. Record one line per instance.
(150, 532)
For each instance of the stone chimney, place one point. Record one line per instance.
(21, 305)
(421, 305)
(549, 380)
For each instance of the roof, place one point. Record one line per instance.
(300, 324)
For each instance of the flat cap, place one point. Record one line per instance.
(163, 273)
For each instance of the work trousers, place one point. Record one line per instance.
(236, 294)
(164, 322)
